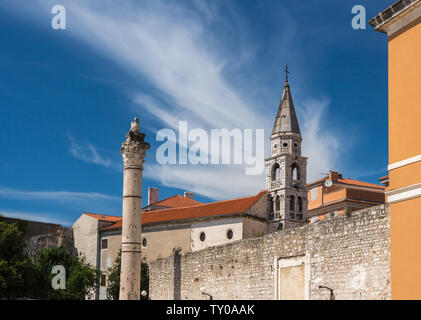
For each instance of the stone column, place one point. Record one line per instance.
(133, 151)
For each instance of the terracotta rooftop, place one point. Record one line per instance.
(103, 217)
(351, 182)
(219, 208)
(176, 201)
(360, 183)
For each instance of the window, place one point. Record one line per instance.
(295, 172)
(313, 193)
(292, 204)
(202, 236)
(277, 204)
(275, 172)
(104, 244)
(300, 204)
(103, 280)
(144, 242)
(230, 234)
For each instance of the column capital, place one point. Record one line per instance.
(134, 148)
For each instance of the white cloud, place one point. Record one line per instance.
(87, 152)
(217, 182)
(9, 193)
(321, 142)
(185, 63)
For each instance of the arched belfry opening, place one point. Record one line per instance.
(270, 208)
(295, 171)
(277, 204)
(300, 204)
(292, 204)
(276, 172)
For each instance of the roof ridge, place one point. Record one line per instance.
(209, 203)
(174, 196)
(101, 214)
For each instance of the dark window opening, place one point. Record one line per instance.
(295, 172)
(292, 204)
(202, 236)
(103, 280)
(144, 242)
(275, 172)
(104, 244)
(230, 234)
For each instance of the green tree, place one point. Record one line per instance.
(16, 273)
(81, 277)
(113, 288)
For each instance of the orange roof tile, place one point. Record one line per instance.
(103, 217)
(196, 211)
(350, 182)
(360, 183)
(176, 201)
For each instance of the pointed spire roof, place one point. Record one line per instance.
(286, 119)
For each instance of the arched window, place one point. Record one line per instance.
(277, 204)
(300, 204)
(270, 207)
(292, 204)
(275, 172)
(295, 172)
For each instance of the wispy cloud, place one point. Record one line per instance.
(172, 47)
(216, 182)
(9, 193)
(321, 143)
(87, 152)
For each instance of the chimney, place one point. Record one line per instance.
(153, 195)
(189, 195)
(334, 175)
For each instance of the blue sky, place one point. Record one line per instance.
(67, 96)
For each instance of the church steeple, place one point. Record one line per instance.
(286, 169)
(286, 118)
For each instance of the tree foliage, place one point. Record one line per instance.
(113, 288)
(81, 277)
(16, 272)
(20, 277)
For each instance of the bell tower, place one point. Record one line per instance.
(286, 169)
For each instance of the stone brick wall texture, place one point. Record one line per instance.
(349, 254)
(40, 235)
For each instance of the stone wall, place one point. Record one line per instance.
(41, 235)
(349, 254)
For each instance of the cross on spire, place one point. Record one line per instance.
(286, 72)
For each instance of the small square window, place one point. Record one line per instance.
(104, 244)
(103, 280)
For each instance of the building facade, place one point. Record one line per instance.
(402, 25)
(334, 196)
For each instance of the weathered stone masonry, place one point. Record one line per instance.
(349, 254)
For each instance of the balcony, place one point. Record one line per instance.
(276, 184)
